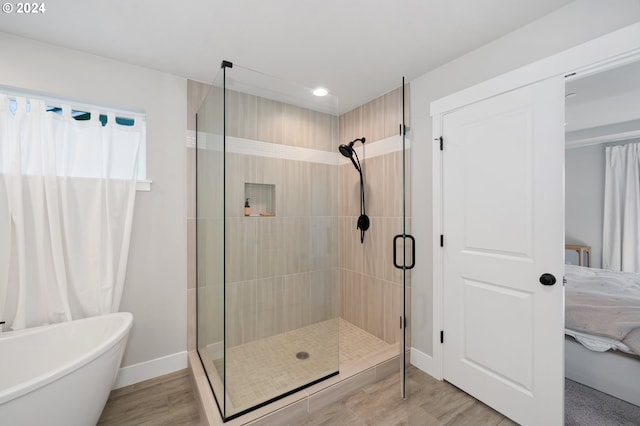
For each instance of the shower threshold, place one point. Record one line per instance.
(364, 359)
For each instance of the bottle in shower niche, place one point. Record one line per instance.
(247, 208)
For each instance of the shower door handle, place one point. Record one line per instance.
(413, 251)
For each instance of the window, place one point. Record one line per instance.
(130, 127)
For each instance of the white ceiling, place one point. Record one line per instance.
(358, 49)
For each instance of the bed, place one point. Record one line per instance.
(602, 330)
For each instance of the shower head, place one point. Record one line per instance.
(348, 151)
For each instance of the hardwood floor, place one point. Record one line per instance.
(169, 400)
(429, 402)
(166, 400)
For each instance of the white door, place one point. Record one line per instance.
(503, 222)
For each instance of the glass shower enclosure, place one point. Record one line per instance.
(267, 238)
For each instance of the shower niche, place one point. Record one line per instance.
(261, 199)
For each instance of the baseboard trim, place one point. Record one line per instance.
(422, 361)
(142, 371)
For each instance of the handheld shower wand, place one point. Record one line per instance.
(350, 153)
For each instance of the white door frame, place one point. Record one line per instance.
(603, 52)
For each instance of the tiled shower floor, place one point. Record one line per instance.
(266, 368)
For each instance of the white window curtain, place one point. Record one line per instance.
(67, 192)
(621, 233)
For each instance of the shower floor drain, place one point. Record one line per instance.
(302, 355)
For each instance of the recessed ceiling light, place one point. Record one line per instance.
(320, 91)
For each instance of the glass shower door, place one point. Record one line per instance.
(404, 244)
(210, 237)
(268, 276)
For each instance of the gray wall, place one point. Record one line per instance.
(569, 26)
(155, 286)
(584, 200)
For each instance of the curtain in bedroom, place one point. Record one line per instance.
(621, 233)
(67, 192)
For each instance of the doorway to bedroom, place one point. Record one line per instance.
(602, 243)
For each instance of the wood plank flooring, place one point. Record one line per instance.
(169, 400)
(166, 400)
(429, 402)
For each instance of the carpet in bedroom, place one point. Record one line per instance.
(584, 406)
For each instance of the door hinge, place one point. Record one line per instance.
(441, 240)
(441, 143)
(441, 336)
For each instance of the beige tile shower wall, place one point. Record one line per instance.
(371, 288)
(257, 118)
(377, 119)
(282, 271)
(287, 264)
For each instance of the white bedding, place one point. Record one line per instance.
(602, 308)
(598, 343)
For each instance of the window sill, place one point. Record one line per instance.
(143, 185)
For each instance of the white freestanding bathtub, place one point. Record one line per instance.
(61, 374)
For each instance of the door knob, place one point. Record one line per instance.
(547, 279)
